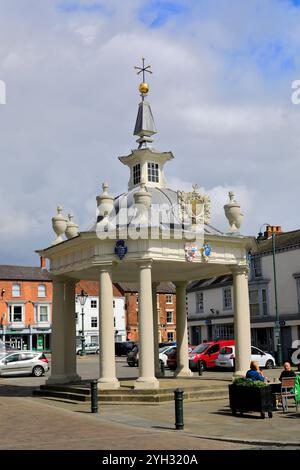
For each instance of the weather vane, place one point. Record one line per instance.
(144, 87)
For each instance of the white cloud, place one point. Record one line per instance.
(220, 99)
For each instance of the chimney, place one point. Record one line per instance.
(43, 263)
(270, 229)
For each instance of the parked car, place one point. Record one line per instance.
(122, 348)
(90, 348)
(226, 357)
(164, 353)
(166, 343)
(133, 356)
(205, 354)
(172, 357)
(24, 363)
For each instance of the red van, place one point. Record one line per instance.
(207, 353)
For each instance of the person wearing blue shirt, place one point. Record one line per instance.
(254, 373)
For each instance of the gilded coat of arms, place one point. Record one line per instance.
(194, 206)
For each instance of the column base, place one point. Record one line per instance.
(63, 379)
(146, 383)
(239, 373)
(108, 384)
(183, 373)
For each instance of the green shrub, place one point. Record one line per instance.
(241, 382)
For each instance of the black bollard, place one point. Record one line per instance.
(178, 397)
(199, 367)
(94, 396)
(162, 367)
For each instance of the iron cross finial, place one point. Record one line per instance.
(143, 69)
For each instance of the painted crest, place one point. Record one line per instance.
(206, 252)
(120, 249)
(190, 252)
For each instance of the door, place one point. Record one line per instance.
(10, 365)
(212, 355)
(26, 362)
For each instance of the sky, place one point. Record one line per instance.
(220, 95)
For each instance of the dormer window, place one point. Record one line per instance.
(153, 174)
(137, 174)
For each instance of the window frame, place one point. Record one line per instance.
(199, 304)
(153, 172)
(39, 313)
(93, 318)
(45, 290)
(225, 300)
(93, 302)
(136, 173)
(170, 296)
(172, 317)
(11, 314)
(12, 289)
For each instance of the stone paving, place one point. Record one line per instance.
(32, 424)
(38, 423)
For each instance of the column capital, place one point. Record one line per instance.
(145, 263)
(107, 267)
(239, 269)
(181, 283)
(64, 279)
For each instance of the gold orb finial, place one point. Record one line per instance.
(144, 88)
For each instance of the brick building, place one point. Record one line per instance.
(25, 306)
(166, 304)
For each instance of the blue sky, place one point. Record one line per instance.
(220, 94)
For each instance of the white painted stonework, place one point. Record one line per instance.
(161, 256)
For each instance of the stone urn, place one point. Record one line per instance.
(72, 228)
(59, 224)
(142, 199)
(105, 202)
(233, 213)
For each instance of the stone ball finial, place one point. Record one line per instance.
(233, 213)
(59, 224)
(105, 187)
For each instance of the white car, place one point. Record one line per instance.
(90, 348)
(23, 363)
(226, 358)
(163, 353)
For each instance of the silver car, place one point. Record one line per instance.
(23, 362)
(90, 348)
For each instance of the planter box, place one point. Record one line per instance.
(243, 398)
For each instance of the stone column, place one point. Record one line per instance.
(155, 331)
(107, 378)
(70, 331)
(63, 346)
(242, 329)
(183, 369)
(147, 379)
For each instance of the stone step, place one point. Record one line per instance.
(135, 396)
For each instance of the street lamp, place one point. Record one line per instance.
(82, 299)
(277, 329)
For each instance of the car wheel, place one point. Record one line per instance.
(37, 371)
(202, 365)
(269, 364)
(97, 352)
(79, 353)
